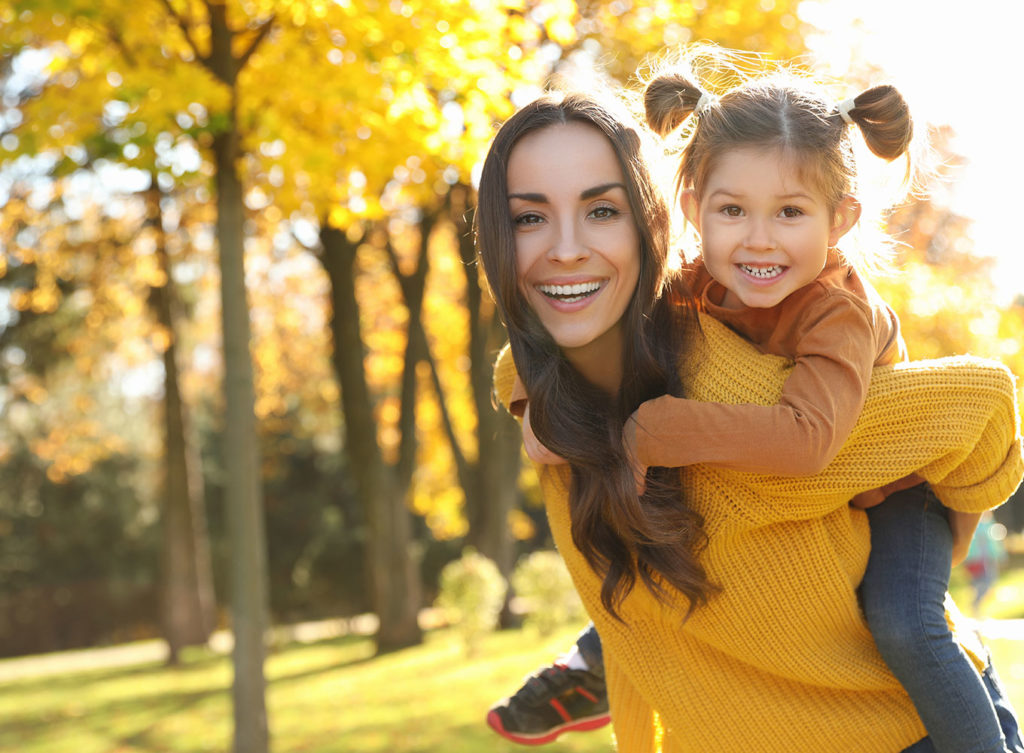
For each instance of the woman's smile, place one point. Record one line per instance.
(568, 293)
(577, 244)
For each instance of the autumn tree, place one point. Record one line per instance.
(98, 46)
(89, 136)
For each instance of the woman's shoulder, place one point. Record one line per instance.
(720, 365)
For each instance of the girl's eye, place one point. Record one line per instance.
(604, 212)
(791, 212)
(732, 211)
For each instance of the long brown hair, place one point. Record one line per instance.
(658, 536)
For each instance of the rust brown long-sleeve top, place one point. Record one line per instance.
(836, 329)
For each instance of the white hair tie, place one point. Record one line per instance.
(705, 101)
(844, 110)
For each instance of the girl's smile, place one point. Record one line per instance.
(765, 232)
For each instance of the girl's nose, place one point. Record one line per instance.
(759, 236)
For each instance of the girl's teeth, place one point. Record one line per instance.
(570, 293)
(764, 272)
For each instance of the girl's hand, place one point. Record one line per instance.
(963, 525)
(535, 451)
(629, 441)
(874, 497)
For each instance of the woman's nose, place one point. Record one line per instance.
(569, 245)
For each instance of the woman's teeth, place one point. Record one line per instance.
(570, 293)
(763, 272)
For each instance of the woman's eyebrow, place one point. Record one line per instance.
(537, 198)
(598, 190)
(589, 193)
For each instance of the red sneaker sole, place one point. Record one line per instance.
(579, 725)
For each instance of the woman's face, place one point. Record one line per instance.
(577, 245)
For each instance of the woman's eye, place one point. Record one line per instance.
(604, 213)
(528, 218)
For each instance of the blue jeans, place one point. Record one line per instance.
(588, 643)
(1007, 718)
(902, 594)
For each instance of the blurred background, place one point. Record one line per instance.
(190, 443)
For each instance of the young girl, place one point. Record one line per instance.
(767, 178)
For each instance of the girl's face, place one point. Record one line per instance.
(577, 244)
(764, 231)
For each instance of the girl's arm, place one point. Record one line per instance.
(954, 421)
(801, 433)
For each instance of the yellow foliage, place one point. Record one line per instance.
(346, 116)
(521, 525)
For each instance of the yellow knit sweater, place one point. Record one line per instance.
(781, 659)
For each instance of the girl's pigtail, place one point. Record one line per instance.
(884, 119)
(670, 99)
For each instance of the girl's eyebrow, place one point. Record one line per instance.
(731, 195)
(588, 193)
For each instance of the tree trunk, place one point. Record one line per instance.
(187, 603)
(391, 566)
(243, 490)
(494, 491)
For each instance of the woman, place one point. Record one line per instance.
(726, 602)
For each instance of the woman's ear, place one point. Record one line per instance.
(847, 215)
(691, 207)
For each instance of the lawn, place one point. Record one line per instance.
(322, 697)
(333, 695)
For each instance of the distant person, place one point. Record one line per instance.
(746, 626)
(985, 559)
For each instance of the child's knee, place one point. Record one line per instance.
(905, 632)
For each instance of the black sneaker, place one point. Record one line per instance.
(555, 700)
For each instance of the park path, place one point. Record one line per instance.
(155, 651)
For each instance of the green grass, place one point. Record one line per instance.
(322, 697)
(335, 696)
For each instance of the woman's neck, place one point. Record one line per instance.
(600, 361)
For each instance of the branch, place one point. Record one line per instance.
(262, 32)
(461, 464)
(118, 42)
(184, 26)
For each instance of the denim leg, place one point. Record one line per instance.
(589, 645)
(924, 745)
(902, 593)
(1007, 717)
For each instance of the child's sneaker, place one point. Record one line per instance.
(555, 700)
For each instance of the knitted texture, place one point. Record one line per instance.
(781, 659)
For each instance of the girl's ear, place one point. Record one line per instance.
(847, 215)
(691, 207)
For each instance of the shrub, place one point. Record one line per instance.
(471, 595)
(542, 581)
